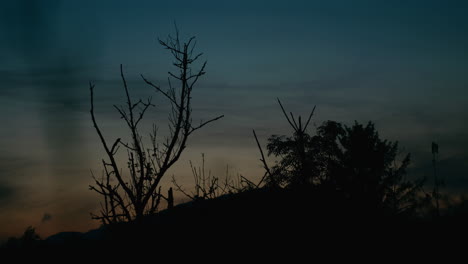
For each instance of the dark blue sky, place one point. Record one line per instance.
(401, 64)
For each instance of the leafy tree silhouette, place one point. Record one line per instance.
(295, 167)
(367, 169)
(129, 197)
(353, 161)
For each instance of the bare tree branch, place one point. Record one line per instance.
(263, 160)
(286, 115)
(166, 94)
(138, 193)
(310, 117)
(103, 141)
(202, 124)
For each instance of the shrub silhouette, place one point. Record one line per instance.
(210, 186)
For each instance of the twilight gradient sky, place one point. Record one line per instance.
(401, 64)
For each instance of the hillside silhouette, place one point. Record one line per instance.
(258, 217)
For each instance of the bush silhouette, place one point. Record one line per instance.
(210, 186)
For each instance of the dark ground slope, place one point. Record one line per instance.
(276, 218)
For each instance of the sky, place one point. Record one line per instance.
(400, 64)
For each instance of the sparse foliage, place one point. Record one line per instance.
(209, 186)
(129, 196)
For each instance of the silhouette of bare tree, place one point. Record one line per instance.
(130, 197)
